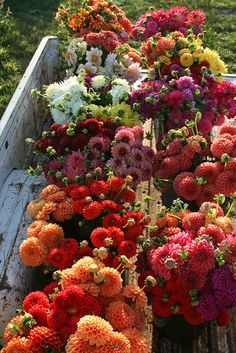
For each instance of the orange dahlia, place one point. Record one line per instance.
(118, 343)
(139, 343)
(48, 208)
(58, 196)
(48, 191)
(120, 315)
(94, 329)
(33, 252)
(67, 278)
(64, 210)
(44, 336)
(35, 228)
(112, 283)
(78, 345)
(140, 319)
(51, 235)
(138, 296)
(19, 345)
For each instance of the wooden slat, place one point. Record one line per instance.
(23, 116)
(16, 279)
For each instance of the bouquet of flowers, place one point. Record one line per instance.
(68, 98)
(192, 256)
(197, 168)
(130, 156)
(178, 18)
(94, 16)
(182, 98)
(87, 307)
(186, 51)
(102, 53)
(61, 140)
(101, 212)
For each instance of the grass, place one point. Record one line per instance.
(33, 19)
(21, 31)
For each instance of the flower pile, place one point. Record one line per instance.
(197, 167)
(187, 52)
(182, 98)
(192, 256)
(130, 156)
(86, 308)
(94, 16)
(102, 54)
(98, 215)
(178, 18)
(68, 98)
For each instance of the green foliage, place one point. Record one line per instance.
(9, 68)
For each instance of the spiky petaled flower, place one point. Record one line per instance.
(35, 298)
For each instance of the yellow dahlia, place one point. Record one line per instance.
(183, 51)
(35, 206)
(127, 116)
(186, 59)
(139, 344)
(216, 64)
(120, 315)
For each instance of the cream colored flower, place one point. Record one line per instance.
(94, 56)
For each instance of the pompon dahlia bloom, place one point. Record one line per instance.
(120, 315)
(41, 337)
(112, 283)
(134, 293)
(35, 298)
(33, 252)
(94, 329)
(139, 344)
(118, 343)
(18, 345)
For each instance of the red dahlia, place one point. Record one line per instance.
(35, 298)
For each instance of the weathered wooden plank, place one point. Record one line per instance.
(16, 279)
(22, 117)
